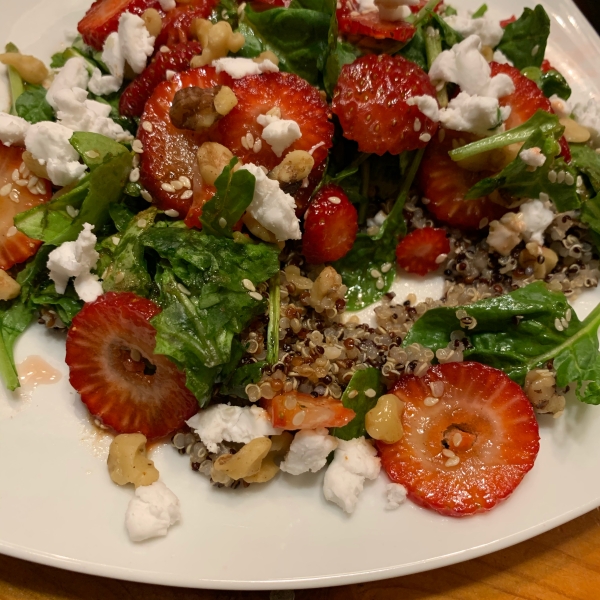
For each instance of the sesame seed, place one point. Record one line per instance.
(257, 147)
(380, 283)
(22, 168)
(535, 50)
(119, 277)
(335, 200)
(483, 223)
(167, 187)
(552, 176)
(299, 418)
(569, 179)
(452, 462)
(135, 354)
(248, 285)
(11, 231)
(177, 185)
(21, 182)
(41, 187)
(185, 181)
(137, 146)
(5, 189)
(16, 175)
(222, 222)
(425, 137)
(92, 154)
(375, 273)
(568, 315)
(417, 125)
(72, 211)
(558, 325)
(165, 49)
(171, 212)
(561, 177)
(255, 295)
(249, 140)
(115, 240)
(14, 196)
(136, 161)
(142, 223)
(147, 126)
(352, 393)
(430, 401)
(441, 258)
(183, 289)
(245, 142)
(134, 176)
(370, 393)
(170, 74)
(564, 323)
(146, 195)
(457, 439)
(187, 194)
(385, 267)
(448, 453)
(33, 181)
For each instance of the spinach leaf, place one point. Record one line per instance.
(95, 149)
(587, 161)
(524, 41)
(32, 106)
(520, 182)
(322, 6)
(590, 215)
(354, 397)
(225, 10)
(240, 378)
(297, 36)
(522, 331)
(234, 194)
(480, 12)
(66, 305)
(415, 49)
(376, 252)
(553, 83)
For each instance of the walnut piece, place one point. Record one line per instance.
(194, 108)
(127, 460)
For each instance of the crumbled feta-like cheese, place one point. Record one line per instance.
(13, 130)
(76, 259)
(395, 494)
(562, 108)
(279, 133)
(167, 5)
(78, 113)
(48, 142)
(353, 462)
(588, 115)
(506, 233)
(112, 56)
(136, 42)
(533, 157)
(151, 512)
(477, 114)
(238, 67)
(428, 105)
(378, 220)
(272, 207)
(224, 423)
(394, 10)
(73, 74)
(365, 6)
(102, 85)
(309, 451)
(502, 59)
(536, 218)
(5, 95)
(487, 27)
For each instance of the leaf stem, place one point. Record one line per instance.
(423, 13)
(433, 48)
(273, 328)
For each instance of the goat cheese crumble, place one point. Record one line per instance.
(74, 74)
(238, 67)
(536, 218)
(13, 130)
(309, 451)
(280, 134)
(395, 494)
(533, 157)
(588, 115)
(487, 27)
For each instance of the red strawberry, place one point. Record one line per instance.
(420, 250)
(110, 353)
(527, 98)
(499, 447)
(296, 100)
(176, 28)
(330, 226)
(170, 153)
(136, 94)
(508, 21)
(102, 18)
(202, 194)
(445, 185)
(565, 150)
(15, 247)
(547, 66)
(303, 195)
(370, 102)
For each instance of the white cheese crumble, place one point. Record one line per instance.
(167, 5)
(13, 130)
(536, 218)
(5, 95)
(238, 67)
(588, 115)
(309, 451)
(49, 144)
(76, 259)
(102, 85)
(75, 111)
(224, 423)
(280, 134)
(428, 105)
(73, 74)
(562, 108)
(502, 59)
(151, 512)
(136, 42)
(395, 494)
(487, 27)
(112, 56)
(394, 10)
(533, 157)
(353, 462)
(272, 207)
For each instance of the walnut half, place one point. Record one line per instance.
(193, 108)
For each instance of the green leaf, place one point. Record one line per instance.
(96, 149)
(273, 328)
(587, 161)
(234, 194)
(517, 332)
(480, 12)
(32, 106)
(354, 397)
(322, 6)
(524, 41)
(66, 305)
(241, 377)
(553, 83)
(519, 182)
(415, 49)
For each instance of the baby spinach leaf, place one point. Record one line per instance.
(524, 41)
(521, 331)
(415, 49)
(354, 397)
(95, 149)
(322, 6)
(519, 182)
(553, 83)
(587, 161)
(32, 106)
(234, 194)
(480, 12)
(242, 376)
(66, 305)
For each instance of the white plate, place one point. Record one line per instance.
(58, 506)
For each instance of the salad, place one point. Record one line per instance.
(217, 203)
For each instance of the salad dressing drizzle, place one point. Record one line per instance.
(34, 371)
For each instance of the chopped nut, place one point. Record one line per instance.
(216, 39)
(384, 421)
(34, 166)
(128, 463)
(31, 69)
(258, 230)
(294, 167)
(328, 281)
(212, 159)
(9, 288)
(574, 132)
(542, 260)
(225, 100)
(267, 55)
(540, 387)
(505, 234)
(194, 108)
(152, 21)
(488, 53)
(246, 462)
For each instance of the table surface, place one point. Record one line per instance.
(562, 564)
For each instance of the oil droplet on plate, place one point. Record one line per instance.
(34, 371)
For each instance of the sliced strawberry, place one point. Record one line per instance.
(507, 22)
(330, 226)
(565, 150)
(547, 66)
(110, 353)
(445, 185)
(294, 410)
(527, 98)
(296, 100)
(170, 153)
(17, 197)
(202, 194)
(177, 23)
(102, 18)
(136, 94)
(303, 196)
(500, 444)
(420, 250)
(370, 100)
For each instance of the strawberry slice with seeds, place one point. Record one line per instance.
(330, 226)
(202, 194)
(177, 23)
(460, 476)
(18, 193)
(102, 18)
(135, 95)
(168, 164)
(420, 251)
(370, 100)
(110, 353)
(444, 184)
